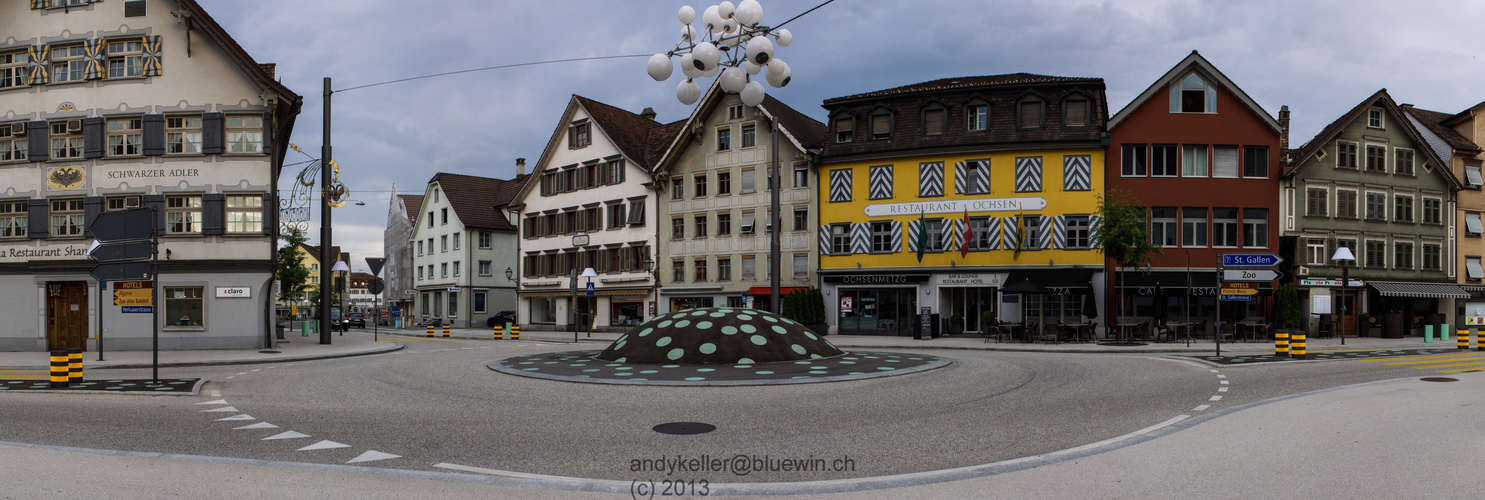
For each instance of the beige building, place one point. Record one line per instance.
(1456, 139)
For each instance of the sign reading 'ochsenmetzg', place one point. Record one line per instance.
(971, 205)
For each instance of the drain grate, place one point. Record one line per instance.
(1439, 379)
(270, 351)
(684, 428)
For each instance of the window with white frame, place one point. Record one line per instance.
(578, 136)
(1077, 232)
(1255, 227)
(244, 214)
(801, 176)
(748, 223)
(484, 267)
(67, 218)
(485, 237)
(1472, 175)
(443, 270)
(724, 223)
(881, 236)
(977, 117)
(69, 64)
(1346, 154)
(456, 241)
(979, 233)
(1432, 257)
(1031, 226)
(184, 307)
(1134, 164)
(1402, 255)
(183, 214)
(1346, 203)
(701, 231)
(1402, 208)
(1315, 202)
(1225, 161)
(749, 181)
(14, 219)
(1194, 227)
(1165, 160)
(1376, 158)
(1402, 163)
(801, 266)
(1315, 251)
(735, 112)
(802, 218)
(1194, 161)
(1193, 97)
(1374, 118)
(183, 134)
(749, 135)
(678, 188)
(1224, 227)
(1376, 206)
(420, 248)
(12, 147)
(244, 133)
(443, 243)
(125, 136)
(125, 58)
(840, 239)
(749, 268)
(67, 139)
(724, 269)
(1432, 211)
(1376, 254)
(13, 69)
(1163, 226)
(724, 139)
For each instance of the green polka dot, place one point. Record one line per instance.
(706, 370)
(695, 378)
(758, 340)
(742, 366)
(707, 348)
(816, 356)
(704, 325)
(623, 374)
(675, 354)
(663, 324)
(670, 366)
(744, 317)
(764, 372)
(818, 372)
(799, 349)
(780, 329)
(801, 376)
(718, 315)
(885, 368)
(579, 364)
(613, 364)
(745, 361)
(770, 319)
(646, 331)
(621, 360)
(590, 370)
(526, 362)
(811, 336)
(523, 369)
(748, 329)
(804, 362)
(664, 341)
(848, 362)
(619, 344)
(624, 368)
(729, 330)
(682, 323)
(699, 313)
(649, 371)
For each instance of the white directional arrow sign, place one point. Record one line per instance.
(1250, 275)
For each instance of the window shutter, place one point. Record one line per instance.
(213, 131)
(154, 135)
(1059, 232)
(1211, 98)
(896, 236)
(1095, 223)
(1011, 230)
(93, 137)
(38, 213)
(931, 179)
(637, 212)
(960, 175)
(94, 49)
(152, 48)
(267, 132)
(213, 214)
(953, 234)
(1029, 174)
(1077, 174)
(37, 63)
(992, 225)
(157, 202)
(840, 185)
(860, 238)
(824, 240)
(269, 217)
(912, 238)
(38, 141)
(982, 184)
(1044, 227)
(92, 206)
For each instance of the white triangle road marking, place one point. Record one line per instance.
(324, 445)
(217, 402)
(238, 417)
(224, 408)
(259, 425)
(287, 435)
(372, 455)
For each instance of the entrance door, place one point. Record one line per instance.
(1346, 302)
(968, 303)
(67, 315)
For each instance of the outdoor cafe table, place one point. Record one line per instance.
(1179, 326)
(1127, 323)
(1076, 328)
(1252, 325)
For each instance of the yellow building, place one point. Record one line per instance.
(997, 177)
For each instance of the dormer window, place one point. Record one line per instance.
(844, 129)
(977, 117)
(578, 135)
(934, 121)
(1374, 118)
(1195, 96)
(881, 126)
(1075, 113)
(1029, 114)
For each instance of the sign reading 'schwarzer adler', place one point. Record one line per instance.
(876, 279)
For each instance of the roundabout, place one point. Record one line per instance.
(584, 366)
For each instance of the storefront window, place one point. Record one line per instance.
(544, 310)
(183, 307)
(626, 313)
(683, 303)
(876, 311)
(453, 304)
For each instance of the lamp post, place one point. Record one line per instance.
(1343, 255)
(510, 274)
(733, 41)
(590, 274)
(340, 284)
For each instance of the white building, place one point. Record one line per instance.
(463, 240)
(715, 204)
(591, 205)
(136, 103)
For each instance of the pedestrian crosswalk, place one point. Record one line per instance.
(11, 374)
(1445, 363)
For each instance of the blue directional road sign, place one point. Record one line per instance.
(139, 309)
(590, 289)
(1237, 298)
(1251, 259)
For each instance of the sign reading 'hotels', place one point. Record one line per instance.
(971, 205)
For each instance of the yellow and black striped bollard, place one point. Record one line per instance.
(1480, 339)
(1281, 344)
(430, 330)
(1297, 346)
(499, 332)
(59, 368)
(515, 332)
(445, 330)
(1463, 339)
(74, 365)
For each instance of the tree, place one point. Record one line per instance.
(293, 277)
(1124, 235)
(1286, 306)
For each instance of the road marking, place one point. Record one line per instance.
(1461, 370)
(286, 435)
(214, 393)
(1221, 389)
(217, 402)
(496, 472)
(224, 408)
(1480, 362)
(1223, 382)
(324, 445)
(1215, 398)
(1201, 408)
(25, 374)
(1220, 376)
(259, 425)
(372, 455)
(1419, 359)
(237, 417)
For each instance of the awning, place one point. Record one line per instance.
(1053, 278)
(1419, 290)
(783, 290)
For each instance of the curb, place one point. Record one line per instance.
(179, 364)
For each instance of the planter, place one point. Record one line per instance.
(821, 329)
(1392, 326)
(955, 329)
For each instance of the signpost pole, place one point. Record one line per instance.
(1218, 333)
(102, 285)
(155, 302)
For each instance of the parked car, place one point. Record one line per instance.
(357, 320)
(501, 318)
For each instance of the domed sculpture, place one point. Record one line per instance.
(718, 335)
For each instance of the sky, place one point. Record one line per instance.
(1319, 57)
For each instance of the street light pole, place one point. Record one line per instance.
(1343, 255)
(325, 257)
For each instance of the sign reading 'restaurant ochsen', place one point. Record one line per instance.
(972, 205)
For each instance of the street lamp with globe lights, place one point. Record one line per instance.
(1345, 256)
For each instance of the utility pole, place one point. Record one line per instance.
(326, 260)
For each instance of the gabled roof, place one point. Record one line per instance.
(964, 83)
(413, 203)
(1434, 122)
(1330, 131)
(477, 200)
(1195, 60)
(641, 140)
(314, 251)
(806, 133)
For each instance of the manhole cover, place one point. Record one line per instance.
(269, 352)
(685, 428)
(1439, 379)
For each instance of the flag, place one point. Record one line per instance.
(964, 242)
(1020, 233)
(922, 235)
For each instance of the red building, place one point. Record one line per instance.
(1205, 158)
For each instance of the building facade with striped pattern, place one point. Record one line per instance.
(997, 178)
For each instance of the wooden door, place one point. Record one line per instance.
(67, 315)
(1349, 301)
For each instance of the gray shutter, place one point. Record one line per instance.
(1059, 232)
(861, 238)
(960, 173)
(93, 137)
(157, 202)
(154, 135)
(270, 222)
(92, 206)
(637, 212)
(267, 132)
(912, 236)
(1045, 239)
(213, 131)
(38, 140)
(896, 236)
(38, 213)
(824, 238)
(213, 214)
(1095, 223)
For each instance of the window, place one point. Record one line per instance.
(12, 148)
(613, 172)
(1402, 255)
(1403, 162)
(979, 233)
(184, 306)
(1255, 227)
(1376, 158)
(67, 140)
(734, 112)
(1432, 257)
(678, 271)
(1163, 226)
(1472, 224)
(701, 269)
(420, 272)
(749, 135)
(1134, 161)
(1255, 162)
(1224, 227)
(1224, 161)
(443, 216)
(124, 136)
(1316, 252)
(69, 64)
(1402, 208)
(801, 266)
(881, 126)
(578, 136)
(1376, 206)
(1345, 203)
(746, 225)
(1315, 199)
(1374, 118)
(637, 212)
(678, 188)
(1032, 227)
(443, 269)
(934, 121)
(840, 239)
(182, 214)
(749, 181)
(244, 134)
(724, 269)
(484, 267)
(700, 185)
(1376, 254)
(453, 304)
(13, 219)
(1432, 211)
(67, 217)
(977, 117)
(768, 177)
(479, 302)
(1077, 232)
(122, 202)
(724, 223)
(1472, 266)
(134, 8)
(244, 214)
(701, 226)
(1075, 113)
(801, 176)
(935, 231)
(1194, 161)
(1030, 114)
(13, 70)
(456, 269)
(844, 128)
(182, 134)
(456, 240)
(678, 228)
(485, 236)
(749, 268)
(1472, 175)
(724, 139)
(1164, 160)
(724, 182)
(1193, 227)
(801, 218)
(125, 58)
(1345, 154)
(1194, 96)
(881, 237)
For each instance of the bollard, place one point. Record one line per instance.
(1444, 332)
(1281, 344)
(1464, 339)
(1297, 346)
(1480, 339)
(499, 332)
(1427, 333)
(74, 365)
(59, 368)
(445, 330)
(430, 330)
(515, 332)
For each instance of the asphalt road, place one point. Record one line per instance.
(437, 406)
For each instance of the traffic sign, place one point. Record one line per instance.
(118, 294)
(133, 301)
(1250, 275)
(1239, 291)
(590, 289)
(122, 252)
(1251, 259)
(375, 263)
(134, 285)
(121, 271)
(376, 286)
(133, 224)
(1237, 298)
(139, 309)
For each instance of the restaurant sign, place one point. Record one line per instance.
(973, 205)
(876, 279)
(22, 253)
(970, 279)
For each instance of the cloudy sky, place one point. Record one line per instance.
(1318, 57)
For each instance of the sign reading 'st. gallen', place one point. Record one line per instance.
(1031, 203)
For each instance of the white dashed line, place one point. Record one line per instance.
(237, 417)
(324, 445)
(217, 402)
(1220, 376)
(1215, 398)
(1223, 382)
(286, 435)
(1201, 408)
(223, 409)
(1221, 389)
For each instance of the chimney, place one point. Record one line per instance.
(648, 114)
(520, 167)
(1284, 134)
(269, 68)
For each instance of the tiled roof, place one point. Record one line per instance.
(476, 200)
(810, 133)
(413, 203)
(659, 139)
(1434, 120)
(1330, 131)
(641, 139)
(966, 83)
(315, 251)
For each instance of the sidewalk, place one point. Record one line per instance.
(292, 348)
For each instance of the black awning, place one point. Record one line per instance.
(1419, 290)
(1165, 279)
(1053, 278)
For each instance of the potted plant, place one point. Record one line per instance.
(1363, 325)
(807, 307)
(956, 324)
(1287, 318)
